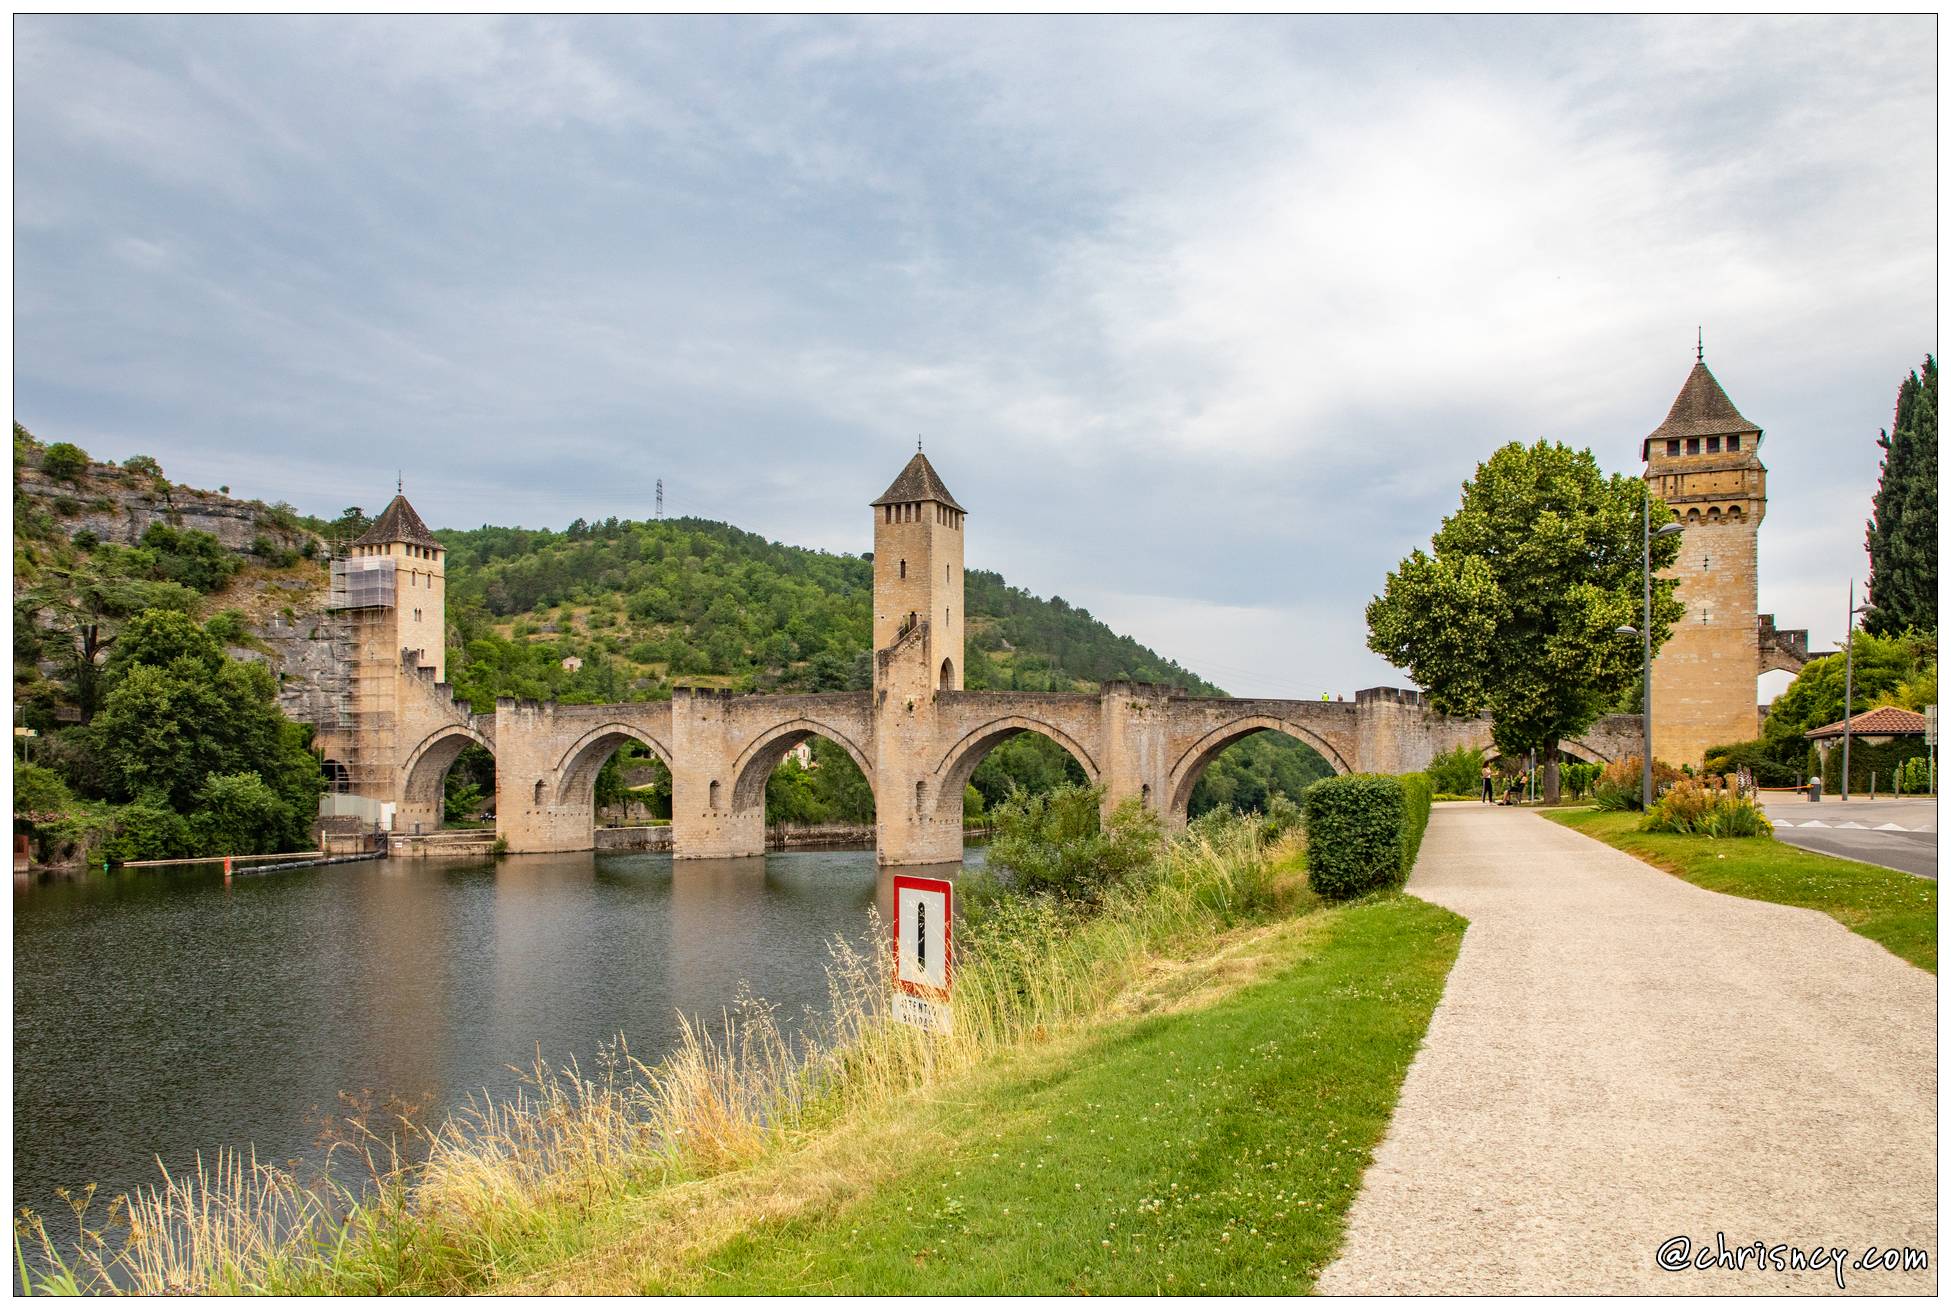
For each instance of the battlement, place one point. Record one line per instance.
(1391, 695)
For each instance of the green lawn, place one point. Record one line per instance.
(1212, 1149)
(1896, 910)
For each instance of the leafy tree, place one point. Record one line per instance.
(1028, 763)
(1457, 773)
(88, 604)
(470, 785)
(1903, 530)
(160, 638)
(1514, 609)
(1252, 774)
(166, 728)
(65, 462)
(1885, 668)
(238, 814)
(1056, 843)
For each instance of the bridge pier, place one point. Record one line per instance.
(533, 810)
(1136, 758)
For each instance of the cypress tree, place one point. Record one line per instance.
(1903, 529)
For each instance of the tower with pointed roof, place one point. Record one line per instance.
(417, 562)
(388, 608)
(1705, 462)
(918, 626)
(918, 570)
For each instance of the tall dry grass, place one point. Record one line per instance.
(440, 1209)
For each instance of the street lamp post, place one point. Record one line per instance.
(1849, 680)
(1645, 633)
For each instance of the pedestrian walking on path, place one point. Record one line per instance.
(1489, 796)
(1623, 1063)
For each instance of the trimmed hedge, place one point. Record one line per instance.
(1882, 759)
(1363, 831)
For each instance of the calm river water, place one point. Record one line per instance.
(159, 1013)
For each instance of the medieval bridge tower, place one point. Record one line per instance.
(1705, 462)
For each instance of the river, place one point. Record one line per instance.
(162, 1013)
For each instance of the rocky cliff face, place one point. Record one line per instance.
(283, 602)
(118, 505)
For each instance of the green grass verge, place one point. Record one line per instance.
(1896, 910)
(1213, 1149)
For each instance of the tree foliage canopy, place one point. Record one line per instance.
(1513, 609)
(1903, 528)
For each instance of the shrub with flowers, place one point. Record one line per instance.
(1706, 807)
(1617, 787)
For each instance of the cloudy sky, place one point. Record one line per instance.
(1205, 321)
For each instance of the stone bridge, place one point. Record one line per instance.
(917, 735)
(1135, 740)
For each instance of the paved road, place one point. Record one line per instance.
(1898, 834)
(1621, 1058)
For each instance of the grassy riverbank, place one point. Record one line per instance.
(1214, 1146)
(1204, 1060)
(1896, 910)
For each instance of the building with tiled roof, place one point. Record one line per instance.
(1886, 721)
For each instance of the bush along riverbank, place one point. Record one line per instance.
(1171, 1043)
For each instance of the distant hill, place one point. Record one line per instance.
(595, 613)
(646, 605)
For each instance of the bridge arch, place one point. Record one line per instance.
(1192, 763)
(756, 762)
(576, 771)
(959, 763)
(1566, 745)
(427, 764)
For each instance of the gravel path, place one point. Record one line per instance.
(1621, 1058)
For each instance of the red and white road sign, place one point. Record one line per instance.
(922, 909)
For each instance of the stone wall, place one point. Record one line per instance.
(1704, 677)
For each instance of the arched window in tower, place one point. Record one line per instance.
(1714, 514)
(948, 675)
(921, 797)
(1734, 513)
(714, 793)
(904, 568)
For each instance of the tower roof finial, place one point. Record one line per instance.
(1700, 345)
(917, 443)
(399, 482)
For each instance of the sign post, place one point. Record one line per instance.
(922, 907)
(1930, 742)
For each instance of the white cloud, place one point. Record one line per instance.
(1265, 289)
